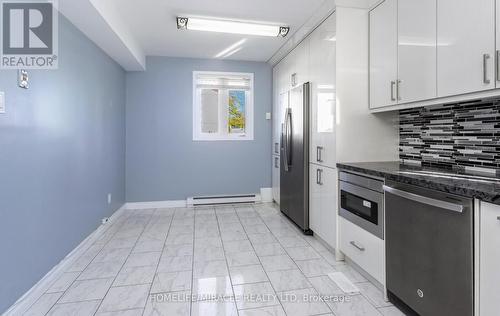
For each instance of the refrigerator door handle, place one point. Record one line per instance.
(284, 142)
(288, 139)
(283, 146)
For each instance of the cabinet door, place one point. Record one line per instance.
(276, 179)
(284, 74)
(416, 50)
(383, 54)
(276, 113)
(329, 206)
(489, 280)
(315, 216)
(497, 66)
(280, 117)
(322, 49)
(466, 46)
(301, 62)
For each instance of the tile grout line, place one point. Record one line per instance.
(295, 265)
(79, 272)
(159, 259)
(265, 272)
(322, 257)
(114, 279)
(192, 262)
(225, 257)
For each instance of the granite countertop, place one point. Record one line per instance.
(391, 170)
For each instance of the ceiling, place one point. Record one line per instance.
(153, 25)
(148, 27)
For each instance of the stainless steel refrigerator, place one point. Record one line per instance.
(294, 171)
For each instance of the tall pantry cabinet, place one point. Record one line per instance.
(313, 60)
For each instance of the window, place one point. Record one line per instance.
(222, 106)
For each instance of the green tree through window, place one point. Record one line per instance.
(236, 122)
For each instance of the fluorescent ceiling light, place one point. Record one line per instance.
(234, 27)
(231, 48)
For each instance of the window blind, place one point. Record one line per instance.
(223, 82)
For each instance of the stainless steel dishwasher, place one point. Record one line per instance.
(429, 250)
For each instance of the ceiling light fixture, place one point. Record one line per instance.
(234, 27)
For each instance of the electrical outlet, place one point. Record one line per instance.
(2, 102)
(109, 198)
(268, 116)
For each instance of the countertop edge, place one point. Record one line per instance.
(489, 197)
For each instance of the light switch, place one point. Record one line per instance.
(268, 116)
(2, 102)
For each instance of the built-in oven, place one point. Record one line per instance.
(362, 202)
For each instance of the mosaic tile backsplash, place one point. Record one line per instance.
(452, 135)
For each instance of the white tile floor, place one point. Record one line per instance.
(233, 260)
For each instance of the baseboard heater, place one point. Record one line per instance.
(223, 199)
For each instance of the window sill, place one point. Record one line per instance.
(222, 138)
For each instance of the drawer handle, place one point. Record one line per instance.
(360, 248)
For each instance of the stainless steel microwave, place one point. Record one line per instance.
(362, 202)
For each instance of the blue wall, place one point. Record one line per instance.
(163, 162)
(62, 149)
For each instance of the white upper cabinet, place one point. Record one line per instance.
(276, 125)
(322, 78)
(402, 52)
(297, 65)
(285, 71)
(466, 46)
(416, 50)
(497, 66)
(383, 54)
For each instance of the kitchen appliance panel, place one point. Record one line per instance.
(429, 244)
(294, 176)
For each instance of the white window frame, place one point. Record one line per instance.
(223, 135)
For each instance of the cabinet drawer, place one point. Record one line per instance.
(365, 249)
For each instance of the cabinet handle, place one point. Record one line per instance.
(393, 83)
(398, 89)
(498, 65)
(359, 247)
(485, 68)
(319, 150)
(319, 176)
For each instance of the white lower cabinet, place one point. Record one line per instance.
(276, 178)
(323, 203)
(489, 260)
(363, 248)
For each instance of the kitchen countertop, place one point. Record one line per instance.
(391, 170)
